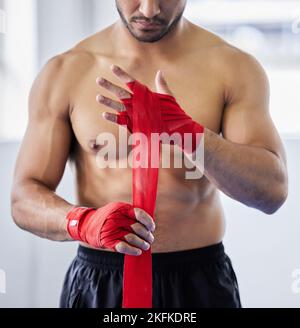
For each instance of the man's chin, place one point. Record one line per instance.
(147, 35)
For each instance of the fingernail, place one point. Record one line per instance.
(147, 246)
(151, 238)
(139, 252)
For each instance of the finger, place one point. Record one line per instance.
(118, 119)
(144, 218)
(161, 84)
(121, 74)
(125, 248)
(136, 241)
(141, 231)
(119, 107)
(110, 117)
(114, 89)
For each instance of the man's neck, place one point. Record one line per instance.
(127, 45)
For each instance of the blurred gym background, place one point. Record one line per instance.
(264, 249)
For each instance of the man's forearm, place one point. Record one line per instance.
(39, 210)
(252, 175)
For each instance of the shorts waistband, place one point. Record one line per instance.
(100, 258)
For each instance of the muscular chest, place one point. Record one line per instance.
(198, 91)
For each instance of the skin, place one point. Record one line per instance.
(218, 85)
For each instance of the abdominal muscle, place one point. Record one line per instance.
(188, 213)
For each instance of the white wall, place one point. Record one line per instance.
(34, 267)
(62, 24)
(264, 249)
(18, 63)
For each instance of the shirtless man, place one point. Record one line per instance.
(219, 86)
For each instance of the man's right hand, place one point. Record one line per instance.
(116, 226)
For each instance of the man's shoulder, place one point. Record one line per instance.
(71, 62)
(60, 75)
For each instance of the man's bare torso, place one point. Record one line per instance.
(188, 213)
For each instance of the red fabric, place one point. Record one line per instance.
(102, 228)
(141, 116)
(149, 112)
(173, 118)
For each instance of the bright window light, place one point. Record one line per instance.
(18, 66)
(269, 30)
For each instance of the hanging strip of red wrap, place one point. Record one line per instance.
(146, 119)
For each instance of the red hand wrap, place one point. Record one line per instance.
(102, 228)
(172, 118)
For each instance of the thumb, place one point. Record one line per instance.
(161, 84)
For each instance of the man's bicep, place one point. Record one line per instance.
(46, 144)
(246, 118)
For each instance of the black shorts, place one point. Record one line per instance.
(202, 278)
